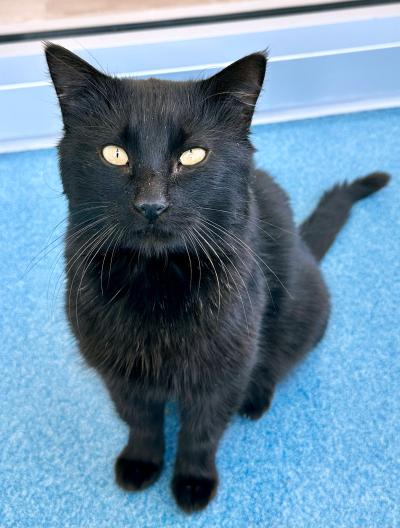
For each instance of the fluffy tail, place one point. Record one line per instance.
(319, 230)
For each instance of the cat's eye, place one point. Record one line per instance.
(193, 156)
(115, 155)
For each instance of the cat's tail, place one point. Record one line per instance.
(319, 230)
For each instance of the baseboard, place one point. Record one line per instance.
(318, 66)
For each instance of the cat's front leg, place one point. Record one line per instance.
(203, 422)
(140, 462)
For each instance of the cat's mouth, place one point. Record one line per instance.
(154, 230)
(152, 234)
(152, 239)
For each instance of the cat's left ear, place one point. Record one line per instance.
(240, 83)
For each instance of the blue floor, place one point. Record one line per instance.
(328, 452)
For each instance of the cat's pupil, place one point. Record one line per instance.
(117, 153)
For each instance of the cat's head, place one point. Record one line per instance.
(153, 162)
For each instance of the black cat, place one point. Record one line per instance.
(187, 278)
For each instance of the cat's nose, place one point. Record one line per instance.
(151, 210)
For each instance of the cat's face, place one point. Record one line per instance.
(155, 162)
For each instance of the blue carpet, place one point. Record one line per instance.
(328, 452)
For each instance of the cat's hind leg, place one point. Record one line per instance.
(288, 337)
(259, 394)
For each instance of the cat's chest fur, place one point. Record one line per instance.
(162, 324)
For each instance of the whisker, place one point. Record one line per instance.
(199, 263)
(73, 237)
(118, 240)
(48, 247)
(213, 267)
(216, 254)
(90, 243)
(99, 243)
(209, 229)
(104, 259)
(190, 265)
(233, 279)
(254, 254)
(256, 221)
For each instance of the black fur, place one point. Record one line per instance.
(333, 211)
(216, 300)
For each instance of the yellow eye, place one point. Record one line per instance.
(193, 156)
(115, 155)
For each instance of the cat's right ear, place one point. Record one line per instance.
(73, 78)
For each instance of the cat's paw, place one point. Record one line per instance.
(254, 408)
(193, 493)
(136, 475)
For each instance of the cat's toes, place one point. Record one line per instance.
(193, 493)
(254, 408)
(136, 475)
